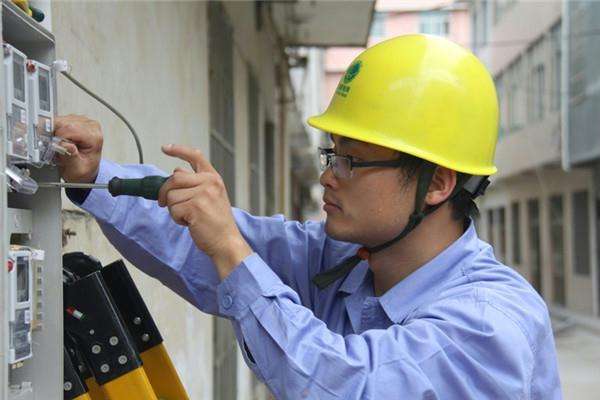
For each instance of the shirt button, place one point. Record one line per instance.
(227, 301)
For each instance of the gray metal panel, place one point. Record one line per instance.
(584, 126)
(44, 370)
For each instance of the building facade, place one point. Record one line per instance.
(541, 211)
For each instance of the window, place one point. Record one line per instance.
(435, 23)
(555, 34)
(537, 92)
(474, 29)
(557, 244)
(516, 232)
(490, 227)
(516, 96)
(378, 25)
(270, 175)
(577, 51)
(483, 24)
(500, 8)
(501, 106)
(502, 233)
(222, 156)
(222, 143)
(254, 141)
(581, 233)
(535, 252)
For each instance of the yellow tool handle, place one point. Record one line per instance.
(162, 374)
(94, 390)
(133, 385)
(84, 396)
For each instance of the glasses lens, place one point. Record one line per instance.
(323, 160)
(341, 167)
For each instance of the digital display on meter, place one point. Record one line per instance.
(44, 90)
(22, 279)
(19, 77)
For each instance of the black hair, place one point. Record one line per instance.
(463, 206)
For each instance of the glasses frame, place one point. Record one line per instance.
(330, 156)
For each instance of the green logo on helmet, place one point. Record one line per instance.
(343, 88)
(352, 72)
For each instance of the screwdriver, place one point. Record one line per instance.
(147, 187)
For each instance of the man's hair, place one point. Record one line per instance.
(462, 204)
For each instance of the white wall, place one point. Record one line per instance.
(149, 61)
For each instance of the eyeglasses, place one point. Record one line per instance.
(342, 166)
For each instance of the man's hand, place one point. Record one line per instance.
(198, 199)
(86, 140)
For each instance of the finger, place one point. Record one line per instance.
(179, 213)
(179, 181)
(70, 131)
(183, 170)
(177, 196)
(71, 148)
(193, 156)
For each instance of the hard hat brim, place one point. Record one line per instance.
(330, 124)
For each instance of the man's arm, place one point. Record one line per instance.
(442, 353)
(147, 236)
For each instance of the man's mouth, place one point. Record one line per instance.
(330, 205)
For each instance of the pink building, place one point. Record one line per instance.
(392, 18)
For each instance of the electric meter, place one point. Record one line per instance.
(16, 84)
(41, 113)
(20, 277)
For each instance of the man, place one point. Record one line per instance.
(394, 296)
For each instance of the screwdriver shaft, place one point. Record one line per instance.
(69, 185)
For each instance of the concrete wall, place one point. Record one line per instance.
(150, 60)
(158, 78)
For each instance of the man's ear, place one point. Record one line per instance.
(441, 187)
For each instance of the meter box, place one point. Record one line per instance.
(20, 276)
(16, 92)
(41, 113)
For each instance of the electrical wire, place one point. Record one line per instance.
(111, 108)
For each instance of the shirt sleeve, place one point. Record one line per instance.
(146, 235)
(464, 349)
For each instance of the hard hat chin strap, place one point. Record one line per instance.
(426, 173)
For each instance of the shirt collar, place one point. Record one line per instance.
(355, 278)
(423, 283)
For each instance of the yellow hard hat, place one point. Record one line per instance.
(421, 95)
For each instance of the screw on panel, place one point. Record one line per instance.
(122, 359)
(145, 337)
(68, 386)
(104, 368)
(96, 349)
(137, 320)
(113, 341)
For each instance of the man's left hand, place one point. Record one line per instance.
(198, 199)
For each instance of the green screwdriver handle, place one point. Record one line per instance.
(147, 187)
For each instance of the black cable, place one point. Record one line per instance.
(111, 108)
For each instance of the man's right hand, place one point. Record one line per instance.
(85, 136)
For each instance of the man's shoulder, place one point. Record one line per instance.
(495, 297)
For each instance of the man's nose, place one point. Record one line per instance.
(328, 180)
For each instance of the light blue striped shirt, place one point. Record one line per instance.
(463, 326)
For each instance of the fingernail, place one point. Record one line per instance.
(167, 146)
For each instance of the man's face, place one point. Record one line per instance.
(373, 205)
